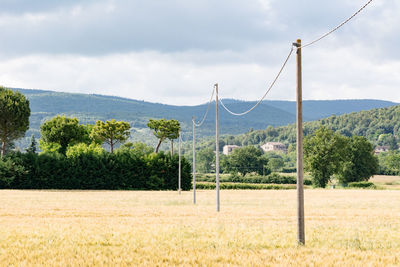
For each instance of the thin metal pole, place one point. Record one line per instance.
(194, 163)
(217, 147)
(299, 124)
(180, 172)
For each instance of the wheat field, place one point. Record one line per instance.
(254, 228)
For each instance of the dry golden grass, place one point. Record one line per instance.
(386, 181)
(254, 228)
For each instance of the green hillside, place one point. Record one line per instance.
(90, 107)
(380, 126)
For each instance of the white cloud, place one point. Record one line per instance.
(175, 79)
(173, 51)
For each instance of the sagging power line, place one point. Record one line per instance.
(337, 27)
(287, 59)
(205, 114)
(299, 124)
(266, 93)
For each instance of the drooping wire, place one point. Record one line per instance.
(290, 53)
(181, 137)
(205, 114)
(268, 90)
(337, 27)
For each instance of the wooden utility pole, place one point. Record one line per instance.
(180, 172)
(194, 163)
(217, 147)
(299, 124)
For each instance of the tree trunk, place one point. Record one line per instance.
(172, 147)
(158, 145)
(111, 144)
(3, 149)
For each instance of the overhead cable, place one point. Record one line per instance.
(181, 137)
(205, 114)
(337, 27)
(269, 89)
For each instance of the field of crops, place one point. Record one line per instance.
(254, 228)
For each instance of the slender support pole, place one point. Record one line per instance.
(180, 165)
(217, 147)
(194, 163)
(300, 183)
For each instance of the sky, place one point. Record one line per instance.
(174, 51)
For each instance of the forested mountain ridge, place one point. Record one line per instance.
(91, 107)
(379, 126)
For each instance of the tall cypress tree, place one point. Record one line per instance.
(32, 146)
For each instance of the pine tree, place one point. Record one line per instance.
(14, 117)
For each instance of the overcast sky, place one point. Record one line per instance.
(173, 51)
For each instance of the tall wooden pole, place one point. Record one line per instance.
(300, 183)
(194, 163)
(217, 147)
(180, 166)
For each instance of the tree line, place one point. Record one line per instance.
(72, 155)
(327, 154)
(328, 151)
(381, 127)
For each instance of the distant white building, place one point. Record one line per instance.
(380, 149)
(228, 149)
(274, 146)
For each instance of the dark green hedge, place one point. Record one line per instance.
(273, 178)
(233, 186)
(123, 170)
(362, 184)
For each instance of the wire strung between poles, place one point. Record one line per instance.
(337, 27)
(290, 53)
(269, 89)
(181, 137)
(205, 114)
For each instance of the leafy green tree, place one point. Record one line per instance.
(111, 132)
(138, 148)
(279, 160)
(245, 160)
(87, 138)
(323, 155)
(32, 146)
(276, 164)
(389, 162)
(360, 162)
(205, 160)
(49, 147)
(82, 148)
(14, 116)
(224, 164)
(59, 132)
(164, 129)
(388, 140)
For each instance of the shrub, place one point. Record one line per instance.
(205, 185)
(9, 171)
(289, 169)
(362, 185)
(273, 178)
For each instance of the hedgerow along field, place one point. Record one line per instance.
(163, 228)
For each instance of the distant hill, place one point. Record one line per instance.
(91, 107)
(317, 109)
(380, 126)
